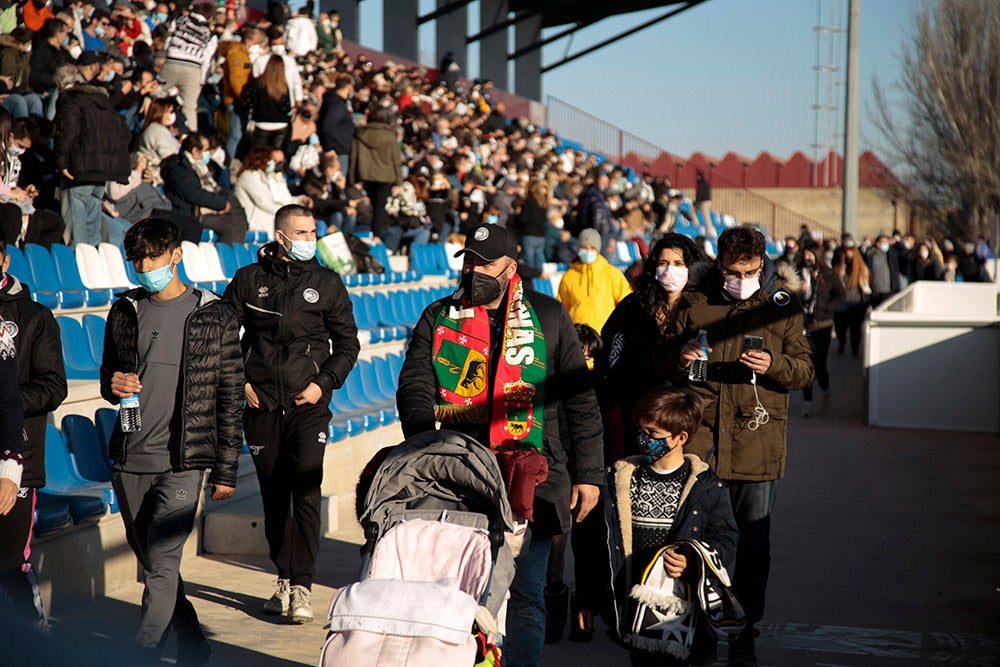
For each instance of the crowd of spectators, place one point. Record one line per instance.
(190, 111)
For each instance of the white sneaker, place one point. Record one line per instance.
(300, 610)
(807, 409)
(278, 604)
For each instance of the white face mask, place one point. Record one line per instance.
(278, 49)
(741, 289)
(170, 119)
(75, 51)
(255, 51)
(672, 278)
(219, 156)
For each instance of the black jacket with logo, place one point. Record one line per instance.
(211, 382)
(40, 371)
(291, 312)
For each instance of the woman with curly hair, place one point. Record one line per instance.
(638, 322)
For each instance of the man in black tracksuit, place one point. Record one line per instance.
(292, 309)
(177, 349)
(41, 377)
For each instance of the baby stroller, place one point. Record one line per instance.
(436, 567)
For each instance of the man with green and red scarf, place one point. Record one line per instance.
(498, 361)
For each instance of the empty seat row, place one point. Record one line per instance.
(432, 259)
(397, 310)
(367, 400)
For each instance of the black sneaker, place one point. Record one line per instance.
(742, 650)
(193, 654)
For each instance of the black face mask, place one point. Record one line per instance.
(479, 288)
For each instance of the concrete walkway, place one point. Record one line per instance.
(885, 552)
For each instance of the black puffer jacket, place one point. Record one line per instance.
(91, 139)
(40, 371)
(291, 312)
(567, 387)
(211, 382)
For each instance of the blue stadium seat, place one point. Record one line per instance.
(62, 478)
(94, 326)
(227, 258)
(322, 229)
(69, 276)
(543, 285)
(77, 356)
(387, 381)
(105, 419)
(245, 255)
(19, 269)
(362, 317)
(385, 403)
(51, 515)
(256, 237)
(209, 236)
(388, 315)
(85, 445)
(45, 277)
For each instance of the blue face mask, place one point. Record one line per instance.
(588, 256)
(314, 139)
(206, 158)
(159, 17)
(99, 31)
(156, 280)
(301, 251)
(653, 449)
(109, 77)
(493, 219)
(270, 167)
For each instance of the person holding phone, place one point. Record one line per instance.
(759, 351)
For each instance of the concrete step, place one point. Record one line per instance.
(238, 528)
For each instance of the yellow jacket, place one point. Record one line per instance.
(590, 292)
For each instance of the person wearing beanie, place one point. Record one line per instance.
(592, 287)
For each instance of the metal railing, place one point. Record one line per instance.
(600, 136)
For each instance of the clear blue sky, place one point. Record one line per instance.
(726, 75)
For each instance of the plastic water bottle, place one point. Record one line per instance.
(699, 367)
(128, 411)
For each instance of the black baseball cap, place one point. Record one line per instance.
(490, 242)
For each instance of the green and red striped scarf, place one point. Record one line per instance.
(515, 408)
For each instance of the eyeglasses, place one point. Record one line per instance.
(743, 276)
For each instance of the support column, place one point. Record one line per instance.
(493, 49)
(528, 68)
(348, 10)
(399, 28)
(450, 31)
(850, 223)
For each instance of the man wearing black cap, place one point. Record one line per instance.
(498, 361)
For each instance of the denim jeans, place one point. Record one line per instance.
(81, 209)
(345, 163)
(393, 236)
(115, 228)
(752, 505)
(20, 106)
(525, 636)
(345, 223)
(238, 115)
(50, 103)
(533, 250)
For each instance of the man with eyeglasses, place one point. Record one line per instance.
(759, 351)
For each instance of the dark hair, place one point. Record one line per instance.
(590, 339)
(672, 409)
(51, 27)
(3, 244)
(651, 296)
(21, 35)
(382, 115)
(257, 158)
(741, 243)
(6, 122)
(192, 141)
(26, 128)
(289, 211)
(151, 237)
(343, 80)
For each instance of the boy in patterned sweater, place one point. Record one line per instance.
(654, 500)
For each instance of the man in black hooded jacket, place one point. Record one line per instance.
(41, 377)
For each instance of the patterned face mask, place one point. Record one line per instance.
(654, 449)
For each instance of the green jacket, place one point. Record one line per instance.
(376, 155)
(773, 313)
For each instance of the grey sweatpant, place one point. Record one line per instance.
(159, 511)
(187, 77)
